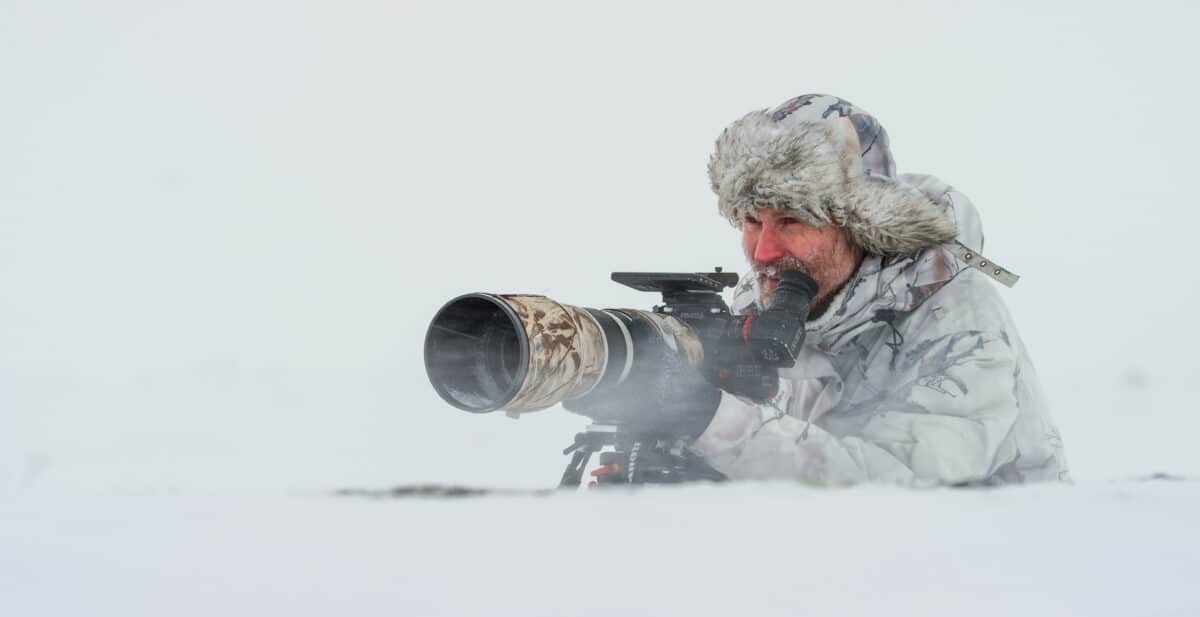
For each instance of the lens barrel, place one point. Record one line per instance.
(520, 353)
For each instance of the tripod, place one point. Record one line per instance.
(633, 458)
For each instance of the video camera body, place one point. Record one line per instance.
(520, 353)
(741, 353)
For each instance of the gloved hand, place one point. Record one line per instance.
(746, 358)
(662, 395)
(734, 368)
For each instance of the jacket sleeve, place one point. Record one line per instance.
(945, 421)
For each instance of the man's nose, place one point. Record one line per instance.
(769, 247)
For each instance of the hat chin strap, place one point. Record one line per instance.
(972, 258)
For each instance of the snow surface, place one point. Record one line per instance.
(761, 549)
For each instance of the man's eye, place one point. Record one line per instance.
(789, 220)
(750, 220)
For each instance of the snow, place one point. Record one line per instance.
(225, 225)
(757, 549)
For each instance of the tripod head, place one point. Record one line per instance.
(634, 458)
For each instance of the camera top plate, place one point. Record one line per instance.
(676, 282)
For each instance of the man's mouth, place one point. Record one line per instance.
(769, 275)
(769, 278)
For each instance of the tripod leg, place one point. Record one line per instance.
(573, 474)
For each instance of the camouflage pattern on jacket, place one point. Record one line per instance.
(915, 374)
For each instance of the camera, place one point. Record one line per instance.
(518, 353)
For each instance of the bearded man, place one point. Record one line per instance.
(911, 370)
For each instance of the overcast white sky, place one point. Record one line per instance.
(224, 226)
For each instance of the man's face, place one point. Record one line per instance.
(776, 241)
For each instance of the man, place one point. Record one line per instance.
(911, 370)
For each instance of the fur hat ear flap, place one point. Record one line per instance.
(888, 217)
(813, 169)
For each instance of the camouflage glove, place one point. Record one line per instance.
(668, 396)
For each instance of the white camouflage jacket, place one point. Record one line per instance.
(914, 375)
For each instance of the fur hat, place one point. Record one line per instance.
(828, 162)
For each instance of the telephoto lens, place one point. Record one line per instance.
(520, 353)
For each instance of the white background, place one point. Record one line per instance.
(224, 226)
